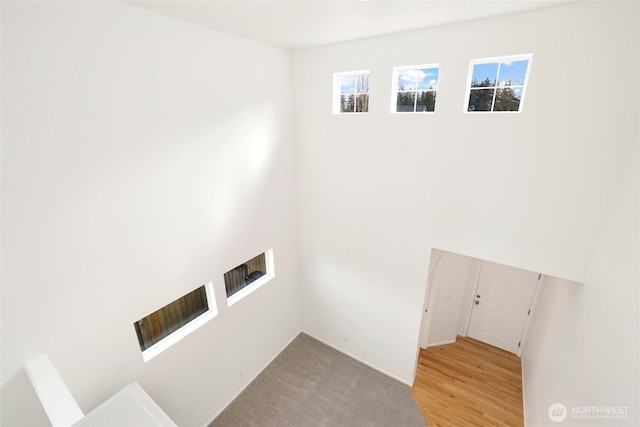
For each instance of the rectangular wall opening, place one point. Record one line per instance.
(248, 276)
(161, 329)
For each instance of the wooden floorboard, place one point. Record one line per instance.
(469, 383)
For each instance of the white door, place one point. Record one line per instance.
(501, 305)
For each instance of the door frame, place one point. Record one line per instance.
(534, 302)
(429, 302)
(472, 297)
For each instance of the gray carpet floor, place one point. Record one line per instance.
(311, 385)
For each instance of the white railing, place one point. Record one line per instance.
(56, 399)
(131, 406)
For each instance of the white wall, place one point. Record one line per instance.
(583, 346)
(142, 156)
(530, 190)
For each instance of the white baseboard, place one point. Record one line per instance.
(441, 343)
(402, 380)
(251, 380)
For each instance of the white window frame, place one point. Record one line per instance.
(337, 93)
(185, 330)
(499, 60)
(252, 287)
(394, 85)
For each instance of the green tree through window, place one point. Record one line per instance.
(415, 88)
(353, 89)
(497, 84)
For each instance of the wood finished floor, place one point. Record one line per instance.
(469, 383)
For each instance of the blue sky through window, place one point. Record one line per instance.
(513, 72)
(517, 92)
(418, 79)
(498, 84)
(351, 92)
(347, 84)
(510, 71)
(484, 71)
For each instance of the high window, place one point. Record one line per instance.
(351, 92)
(248, 276)
(161, 329)
(497, 84)
(414, 89)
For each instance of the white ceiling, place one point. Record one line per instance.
(297, 24)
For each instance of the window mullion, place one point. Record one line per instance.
(355, 94)
(495, 90)
(415, 97)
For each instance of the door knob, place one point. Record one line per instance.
(477, 302)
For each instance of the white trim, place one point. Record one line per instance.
(435, 344)
(499, 60)
(473, 298)
(253, 378)
(415, 367)
(394, 88)
(524, 405)
(185, 330)
(336, 91)
(111, 412)
(402, 380)
(427, 309)
(525, 328)
(56, 399)
(278, 354)
(251, 287)
(534, 302)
